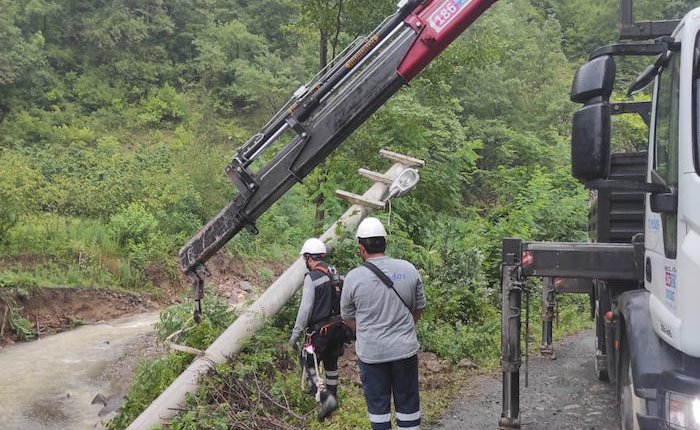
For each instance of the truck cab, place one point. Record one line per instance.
(672, 230)
(647, 329)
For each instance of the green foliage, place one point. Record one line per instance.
(522, 79)
(23, 284)
(480, 342)
(20, 326)
(164, 105)
(330, 19)
(584, 32)
(136, 231)
(93, 91)
(282, 230)
(117, 119)
(155, 375)
(630, 133)
(217, 317)
(152, 378)
(66, 251)
(457, 289)
(119, 129)
(19, 186)
(238, 71)
(598, 26)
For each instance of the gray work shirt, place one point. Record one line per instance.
(385, 328)
(307, 304)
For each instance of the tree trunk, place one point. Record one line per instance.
(322, 49)
(320, 213)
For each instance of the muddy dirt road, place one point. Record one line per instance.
(562, 394)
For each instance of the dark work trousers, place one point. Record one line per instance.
(380, 381)
(330, 365)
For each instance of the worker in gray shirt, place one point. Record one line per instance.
(382, 301)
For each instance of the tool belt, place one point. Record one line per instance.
(329, 335)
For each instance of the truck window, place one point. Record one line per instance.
(666, 141)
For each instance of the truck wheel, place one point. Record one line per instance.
(600, 359)
(600, 374)
(628, 403)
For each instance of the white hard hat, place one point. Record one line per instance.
(313, 246)
(370, 227)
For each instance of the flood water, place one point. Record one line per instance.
(49, 384)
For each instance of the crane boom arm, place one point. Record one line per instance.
(324, 112)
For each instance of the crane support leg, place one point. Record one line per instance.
(548, 303)
(510, 333)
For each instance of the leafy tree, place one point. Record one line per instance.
(24, 77)
(9, 38)
(238, 70)
(271, 19)
(629, 131)
(190, 18)
(515, 37)
(584, 32)
(19, 189)
(332, 20)
(164, 105)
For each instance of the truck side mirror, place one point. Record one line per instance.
(664, 203)
(590, 135)
(590, 142)
(594, 80)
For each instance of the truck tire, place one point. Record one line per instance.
(629, 404)
(600, 374)
(601, 306)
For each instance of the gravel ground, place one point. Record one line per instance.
(562, 394)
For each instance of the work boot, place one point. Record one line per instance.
(328, 404)
(332, 389)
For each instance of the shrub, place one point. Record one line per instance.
(136, 231)
(152, 378)
(479, 342)
(21, 326)
(19, 184)
(164, 106)
(216, 318)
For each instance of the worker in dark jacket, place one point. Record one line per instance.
(384, 298)
(318, 321)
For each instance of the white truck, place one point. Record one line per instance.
(642, 266)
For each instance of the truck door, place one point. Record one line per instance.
(689, 191)
(661, 230)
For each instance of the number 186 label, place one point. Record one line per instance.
(447, 12)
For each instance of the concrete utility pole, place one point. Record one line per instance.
(272, 300)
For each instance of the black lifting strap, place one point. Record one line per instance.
(388, 282)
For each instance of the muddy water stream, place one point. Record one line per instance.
(49, 384)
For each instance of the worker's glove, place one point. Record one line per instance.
(293, 343)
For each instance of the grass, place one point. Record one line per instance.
(55, 251)
(54, 235)
(262, 383)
